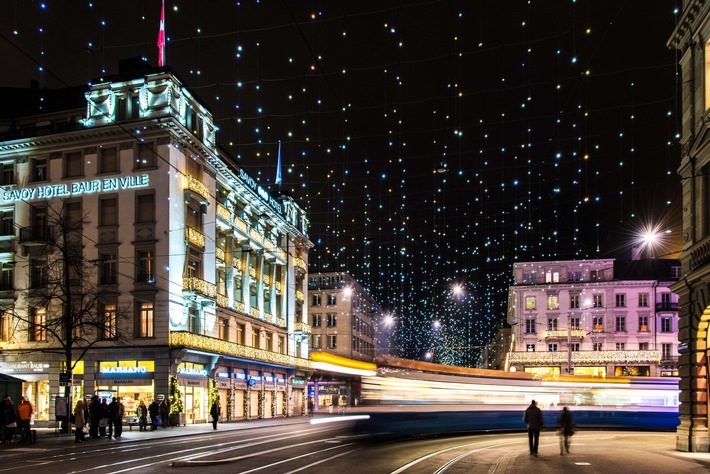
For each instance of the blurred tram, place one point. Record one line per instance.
(614, 402)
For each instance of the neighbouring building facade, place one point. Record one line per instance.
(594, 317)
(342, 316)
(691, 39)
(207, 266)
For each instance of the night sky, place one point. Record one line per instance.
(433, 143)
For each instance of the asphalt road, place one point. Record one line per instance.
(295, 445)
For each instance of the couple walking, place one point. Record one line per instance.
(534, 420)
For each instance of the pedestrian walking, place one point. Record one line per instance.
(565, 422)
(163, 408)
(310, 406)
(24, 415)
(215, 411)
(142, 413)
(533, 420)
(79, 421)
(154, 412)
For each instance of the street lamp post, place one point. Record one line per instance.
(569, 343)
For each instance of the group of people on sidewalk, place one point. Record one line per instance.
(534, 421)
(98, 419)
(13, 417)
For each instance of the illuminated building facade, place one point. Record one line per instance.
(207, 266)
(342, 316)
(691, 40)
(598, 317)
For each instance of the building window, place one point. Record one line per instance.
(574, 276)
(108, 160)
(316, 319)
(38, 324)
(598, 323)
(7, 222)
(666, 324)
(574, 347)
(574, 301)
(643, 346)
(146, 264)
(223, 329)
(595, 275)
(316, 300)
(7, 177)
(530, 303)
(552, 324)
(193, 321)
(282, 345)
(643, 300)
(597, 301)
(109, 322)
(316, 341)
(530, 347)
(620, 301)
(7, 276)
(675, 272)
(553, 302)
(38, 273)
(643, 323)
(529, 277)
(597, 346)
(332, 320)
(530, 326)
(240, 334)
(108, 269)
(6, 326)
(145, 319)
(552, 347)
(332, 299)
(73, 165)
(332, 341)
(574, 323)
(39, 170)
(144, 156)
(145, 208)
(552, 277)
(666, 351)
(620, 346)
(621, 324)
(108, 211)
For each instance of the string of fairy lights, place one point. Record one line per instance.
(433, 142)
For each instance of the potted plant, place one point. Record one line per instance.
(177, 415)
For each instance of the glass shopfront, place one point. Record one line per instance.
(131, 380)
(193, 382)
(35, 386)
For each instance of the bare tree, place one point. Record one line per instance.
(69, 309)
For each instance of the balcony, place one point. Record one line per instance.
(299, 296)
(224, 214)
(665, 306)
(585, 357)
(197, 187)
(222, 301)
(181, 339)
(304, 328)
(669, 361)
(195, 237)
(198, 285)
(300, 264)
(562, 334)
(36, 235)
(219, 253)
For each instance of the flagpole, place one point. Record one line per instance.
(161, 37)
(278, 168)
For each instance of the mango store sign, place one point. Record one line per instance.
(75, 188)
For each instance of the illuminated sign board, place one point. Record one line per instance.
(75, 188)
(24, 367)
(222, 375)
(240, 376)
(260, 191)
(191, 371)
(124, 370)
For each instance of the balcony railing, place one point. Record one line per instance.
(223, 213)
(300, 264)
(200, 286)
(222, 301)
(219, 253)
(299, 296)
(305, 328)
(562, 334)
(195, 185)
(669, 361)
(667, 306)
(585, 357)
(210, 344)
(36, 234)
(195, 237)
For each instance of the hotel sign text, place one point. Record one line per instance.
(76, 188)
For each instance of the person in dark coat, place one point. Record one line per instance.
(566, 427)
(215, 411)
(103, 421)
(10, 419)
(533, 420)
(154, 412)
(112, 413)
(142, 413)
(164, 413)
(94, 416)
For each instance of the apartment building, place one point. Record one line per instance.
(201, 272)
(594, 317)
